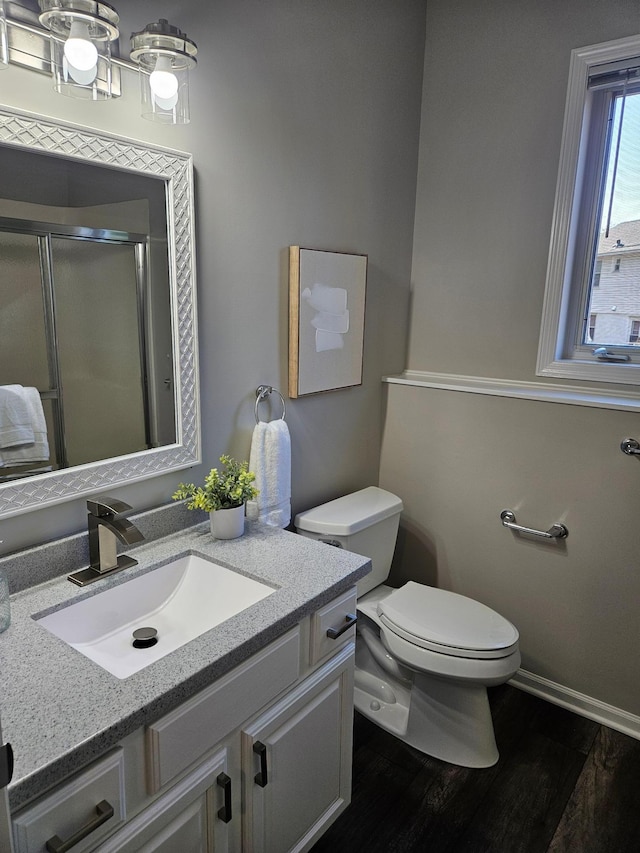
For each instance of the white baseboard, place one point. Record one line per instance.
(586, 706)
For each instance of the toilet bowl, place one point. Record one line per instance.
(424, 656)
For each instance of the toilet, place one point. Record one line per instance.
(424, 656)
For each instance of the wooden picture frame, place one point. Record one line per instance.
(327, 293)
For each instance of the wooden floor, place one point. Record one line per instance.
(563, 784)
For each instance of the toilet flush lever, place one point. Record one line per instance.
(556, 531)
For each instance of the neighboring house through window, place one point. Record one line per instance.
(592, 297)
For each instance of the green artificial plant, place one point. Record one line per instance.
(229, 487)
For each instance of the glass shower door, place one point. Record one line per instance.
(101, 347)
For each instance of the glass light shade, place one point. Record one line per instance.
(81, 36)
(164, 95)
(4, 44)
(81, 73)
(164, 55)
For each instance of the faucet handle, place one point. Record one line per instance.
(103, 505)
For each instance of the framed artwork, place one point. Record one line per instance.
(326, 320)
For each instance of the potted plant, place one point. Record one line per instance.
(223, 496)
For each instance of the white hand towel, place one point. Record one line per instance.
(15, 421)
(270, 460)
(38, 449)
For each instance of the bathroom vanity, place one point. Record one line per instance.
(238, 740)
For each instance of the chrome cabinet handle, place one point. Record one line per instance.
(556, 531)
(262, 777)
(350, 621)
(224, 782)
(104, 811)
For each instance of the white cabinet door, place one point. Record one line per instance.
(296, 760)
(193, 816)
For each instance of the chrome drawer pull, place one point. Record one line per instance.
(104, 811)
(350, 621)
(556, 531)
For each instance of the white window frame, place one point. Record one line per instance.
(556, 354)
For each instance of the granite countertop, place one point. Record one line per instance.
(59, 710)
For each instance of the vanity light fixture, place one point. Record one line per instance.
(4, 44)
(81, 32)
(164, 56)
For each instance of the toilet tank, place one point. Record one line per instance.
(365, 522)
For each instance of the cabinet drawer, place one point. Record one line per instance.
(73, 807)
(333, 616)
(184, 735)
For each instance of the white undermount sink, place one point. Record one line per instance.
(180, 600)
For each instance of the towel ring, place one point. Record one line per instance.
(264, 391)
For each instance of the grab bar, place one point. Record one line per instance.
(630, 446)
(264, 391)
(556, 531)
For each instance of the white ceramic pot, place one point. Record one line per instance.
(227, 523)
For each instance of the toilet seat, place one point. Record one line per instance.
(447, 623)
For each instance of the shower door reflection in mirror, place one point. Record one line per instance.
(94, 349)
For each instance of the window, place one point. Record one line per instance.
(594, 259)
(597, 273)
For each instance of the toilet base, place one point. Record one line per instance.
(385, 705)
(445, 719)
(452, 721)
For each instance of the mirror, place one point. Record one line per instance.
(97, 308)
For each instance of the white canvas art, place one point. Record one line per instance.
(326, 320)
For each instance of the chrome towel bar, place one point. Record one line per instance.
(556, 531)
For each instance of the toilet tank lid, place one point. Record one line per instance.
(351, 513)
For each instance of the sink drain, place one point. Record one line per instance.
(144, 638)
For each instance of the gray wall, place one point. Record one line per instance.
(305, 123)
(493, 105)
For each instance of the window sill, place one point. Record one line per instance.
(580, 370)
(546, 392)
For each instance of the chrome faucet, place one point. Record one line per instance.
(105, 525)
